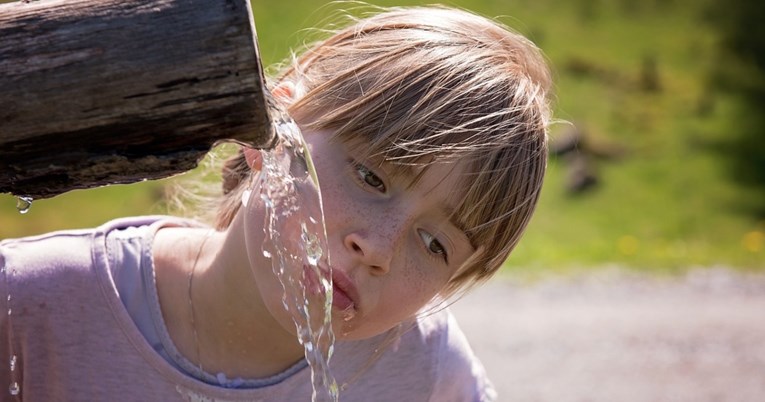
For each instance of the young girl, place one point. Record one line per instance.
(427, 127)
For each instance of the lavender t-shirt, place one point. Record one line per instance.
(75, 339)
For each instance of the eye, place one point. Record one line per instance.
(433, 245)
(368, 178)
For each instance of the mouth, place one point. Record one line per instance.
(344, 292)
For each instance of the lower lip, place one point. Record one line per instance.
(340, 300)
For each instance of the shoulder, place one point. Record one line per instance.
(430, 361)
(52, 250)
(45, 254)
(62, 257)
(459, 376)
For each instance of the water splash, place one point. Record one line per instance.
(288, 189)
(23, 204)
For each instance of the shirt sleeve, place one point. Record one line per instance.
(460, 375)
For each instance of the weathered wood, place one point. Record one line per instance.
(95, 92)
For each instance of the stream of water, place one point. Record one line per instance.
(289, 188)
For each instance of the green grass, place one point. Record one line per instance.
(80, 208)
(668, 204)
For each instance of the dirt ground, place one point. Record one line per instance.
(622, 337)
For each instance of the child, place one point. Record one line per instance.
(427, 127)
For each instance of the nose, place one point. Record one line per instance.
(373, 250)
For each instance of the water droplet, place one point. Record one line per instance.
(13, 363)
(348, 314)
(313, 251)
(14, 389)
(23, 204)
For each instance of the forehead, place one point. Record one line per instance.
(444, 179)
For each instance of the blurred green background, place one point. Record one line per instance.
(667, 100)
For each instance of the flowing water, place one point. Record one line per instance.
(288, 187)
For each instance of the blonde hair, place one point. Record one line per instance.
(424, 85)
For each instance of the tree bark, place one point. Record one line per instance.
(96, 92)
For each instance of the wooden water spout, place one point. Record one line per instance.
(96, 92)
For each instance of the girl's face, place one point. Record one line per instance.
(392, 244)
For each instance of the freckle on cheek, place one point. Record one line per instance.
(416, 278)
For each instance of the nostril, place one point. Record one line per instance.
(368, 252)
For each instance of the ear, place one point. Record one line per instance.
(286, 92)
(254, 158)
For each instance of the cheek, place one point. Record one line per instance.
(338, 205)
(423, 281)
(415, 286)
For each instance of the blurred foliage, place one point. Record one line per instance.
(634, 77)
(742, 47)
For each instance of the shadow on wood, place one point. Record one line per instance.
(96, 92)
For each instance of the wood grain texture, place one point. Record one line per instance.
(95, 92)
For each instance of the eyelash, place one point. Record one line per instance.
(442, 254)
(363, 173)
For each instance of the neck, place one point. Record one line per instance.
(231, 330)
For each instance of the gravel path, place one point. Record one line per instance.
(622, 337)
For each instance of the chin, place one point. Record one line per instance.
(350, 331)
